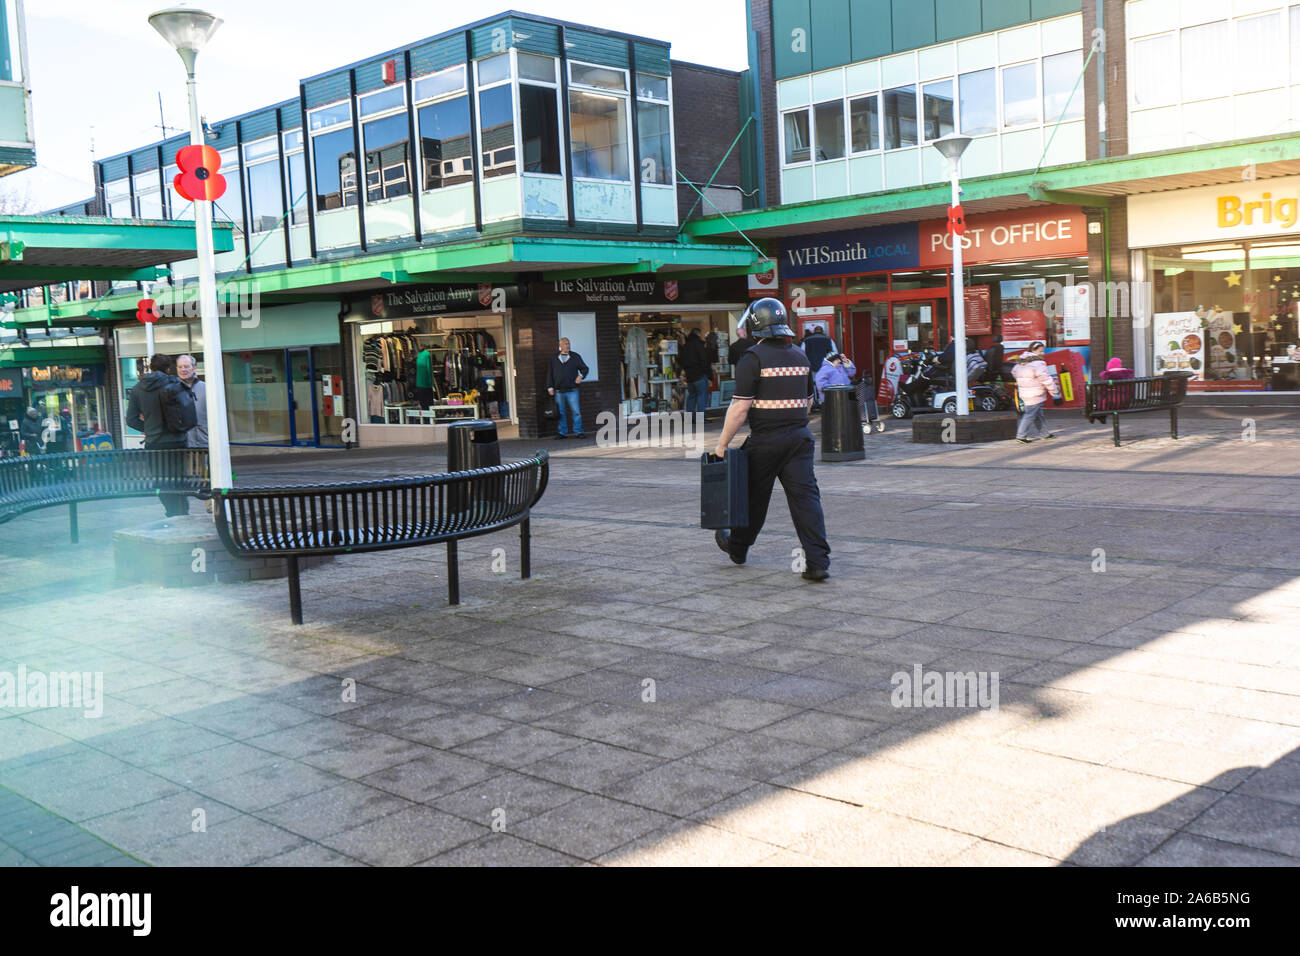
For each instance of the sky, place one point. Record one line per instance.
(96, 67)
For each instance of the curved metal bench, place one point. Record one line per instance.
(43, 481)
(307, 520)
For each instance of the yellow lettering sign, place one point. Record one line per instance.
(1231, 211)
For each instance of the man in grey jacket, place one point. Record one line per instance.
(196, 437)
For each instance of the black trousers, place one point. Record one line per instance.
(786, 455)
(173, 505)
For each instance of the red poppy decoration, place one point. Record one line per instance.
(198, 179)
(146, 311)
(956, 221)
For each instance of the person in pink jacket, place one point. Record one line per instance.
(1033, 383)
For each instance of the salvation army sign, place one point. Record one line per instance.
(1035, 233)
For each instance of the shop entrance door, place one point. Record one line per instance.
(922, 323)
(868, 337)
(302, 398)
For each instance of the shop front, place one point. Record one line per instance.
(886, 290)
(427, 356)
(283, 372)
(68, 397)
(1222, 264)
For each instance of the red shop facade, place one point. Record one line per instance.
(886, 290)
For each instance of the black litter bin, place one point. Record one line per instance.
(841, 424)
(473, 444)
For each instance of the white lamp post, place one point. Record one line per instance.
(952, 146)
(188, 30)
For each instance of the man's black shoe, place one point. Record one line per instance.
(560, 437)
(723, 541)
(816, 574)
(580, 435)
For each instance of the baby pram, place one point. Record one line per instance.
(869, 411)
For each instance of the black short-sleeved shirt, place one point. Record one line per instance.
(774, 373)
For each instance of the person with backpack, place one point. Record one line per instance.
(163, 408)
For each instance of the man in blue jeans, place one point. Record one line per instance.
(696, 371)
(564, 373)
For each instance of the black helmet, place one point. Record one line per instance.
(766, 318)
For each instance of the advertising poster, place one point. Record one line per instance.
(1225, 360)
(1179, 343)
(1076, 315)
(1023, 319)
(979, 311)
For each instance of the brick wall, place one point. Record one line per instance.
(1116, 79)
(706, 118)
(531, 359)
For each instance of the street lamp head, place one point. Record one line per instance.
(186, 29)
(952, 146)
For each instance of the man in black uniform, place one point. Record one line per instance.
(772, 391)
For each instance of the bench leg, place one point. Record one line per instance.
(72, 522)
(1173, 422)
(525, 550)
(295, 593)
(1114, 421)
(453, 574)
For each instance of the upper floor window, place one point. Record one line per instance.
(864, 123)
(829, 120)
(148, 195)
(977, 99)
(937, 109)
(386, 139)
(798, 142)
(539, 114)
(1020, 94)
(117, 198)
(334, 158)
(1062, 87)
(230, 207)
(262, 169)
(654, 129)
(295, 172)
(899, 117)
(1151, 82)
(442, 114)
(440, 84)
(496, 116)
(598, 122)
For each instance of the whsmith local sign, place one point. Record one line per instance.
(992, 237)
(1243, 210)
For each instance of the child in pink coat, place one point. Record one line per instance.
(1033, 383)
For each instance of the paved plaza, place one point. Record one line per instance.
(640, 700)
